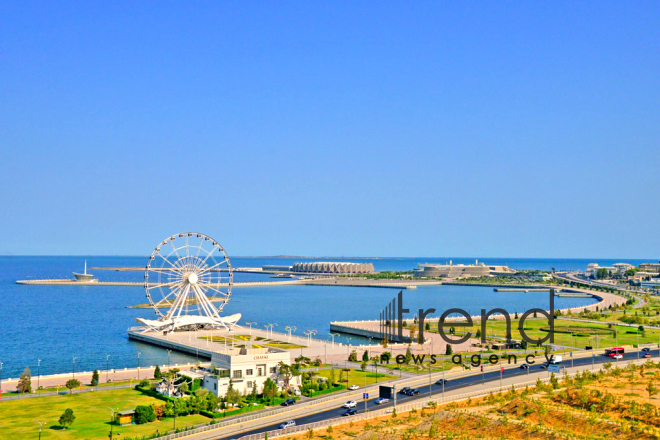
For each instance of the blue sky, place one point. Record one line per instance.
(501, 129)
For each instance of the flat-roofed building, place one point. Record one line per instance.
(432, 270)
(333, 267)
(246, 368)
(650, 267)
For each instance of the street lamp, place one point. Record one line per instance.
(112, 420)
(40, 425)
(74, 367)
(107, 368)
(39, 379)
(138, 354)
(290, 329)
(332, 335)
(169, 362)
(250, 324)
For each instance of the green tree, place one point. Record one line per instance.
(71, 384)
(184, 388)
(478, 334)
(95, 378)
(365, 356)
(233, 396)
(157, 373)
(287, 372)
(554, 381)
(449, 350)
(353, 356)
(427, 326)
(363, 366)
(408, 356)
(332, 376)
(651, 389)
(67, 418)
(25, 382)
(144, 414)
(270, 389)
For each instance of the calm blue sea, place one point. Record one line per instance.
(57, 323)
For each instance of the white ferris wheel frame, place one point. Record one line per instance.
(184, 273)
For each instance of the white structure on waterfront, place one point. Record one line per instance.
(615, 269)
(247, 368)
(460, 270)
(188, 280)
(84, 277)
(332, 267)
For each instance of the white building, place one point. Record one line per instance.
(615, 269)
(246, 368)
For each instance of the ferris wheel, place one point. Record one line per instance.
(188, 281)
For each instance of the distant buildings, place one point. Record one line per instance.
(650, 267)
(323, 267)
(451, 270)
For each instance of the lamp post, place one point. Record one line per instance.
(112, 420)
(332, 335)
(40, 425)
(290, 329)
(169, 362)
(250, 324)
(107, 368)
(138, 364)
(39, 381)
(1, 364)
(74, 367)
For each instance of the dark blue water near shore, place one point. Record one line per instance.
(57, 323)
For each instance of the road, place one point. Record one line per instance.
(492, 377)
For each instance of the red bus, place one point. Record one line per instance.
(611, 352)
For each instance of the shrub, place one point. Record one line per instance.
(144, 414)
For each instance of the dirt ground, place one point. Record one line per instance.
(622, 403)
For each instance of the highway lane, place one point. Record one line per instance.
(436, 390)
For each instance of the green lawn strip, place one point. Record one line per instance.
(284, 345)
(355, 377)
(575, 332)
(18, 417)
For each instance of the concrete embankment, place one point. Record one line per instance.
(345, 282)
(366, 282)
(141, 284)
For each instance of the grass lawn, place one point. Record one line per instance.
(18, 418)
(240, 340)
(356, 377)
(84, 386)
(574, 333)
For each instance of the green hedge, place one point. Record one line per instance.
(152, 393)
(329, 390)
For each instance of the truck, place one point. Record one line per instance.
(555, 359)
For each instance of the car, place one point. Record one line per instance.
(412, 392)
(441, 381)
(350, 404)
(646, 349)
(524, 367)
(354, 387)
(647, 354)
(288, 424)
(381, 400)
(618, 356)
(288, 402)
(349, 412)
(404, 390)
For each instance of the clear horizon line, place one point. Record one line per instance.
(288, 256)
